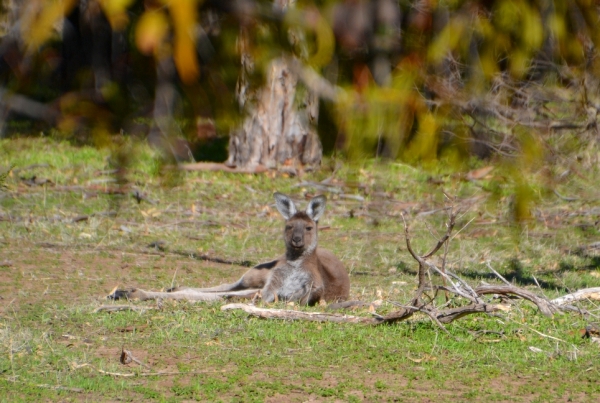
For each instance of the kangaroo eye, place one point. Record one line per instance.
(309, 228)
(288, 227)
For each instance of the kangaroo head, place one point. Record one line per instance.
(300, 232)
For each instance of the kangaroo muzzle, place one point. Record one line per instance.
(297, 241)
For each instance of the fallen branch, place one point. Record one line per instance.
(452, 314)
(586, 293)
(117, 308)
(444, 316)
(546, 307)
(422, 260)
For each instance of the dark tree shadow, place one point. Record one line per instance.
(516, 274)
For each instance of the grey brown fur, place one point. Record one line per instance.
(305, 273)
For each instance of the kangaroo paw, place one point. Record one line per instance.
(173, 289)
(131, 293)
(118, 294)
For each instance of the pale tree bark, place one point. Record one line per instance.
(278, 131)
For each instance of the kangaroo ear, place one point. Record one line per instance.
(316, 208)
(285, 205)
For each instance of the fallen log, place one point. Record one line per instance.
(586, 293)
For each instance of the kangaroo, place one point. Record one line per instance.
(305, 273)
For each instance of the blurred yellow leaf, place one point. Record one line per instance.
(150, 31)
(183, 13)
(507, 14)
(325, 43)
(101, 137)
(557, 26)
(487, 61)
(41, 18)
(522, 203)
(519, 62)
(116, 12)
(424, 145)
(447, 40)
(532, 29)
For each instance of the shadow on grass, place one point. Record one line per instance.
(516, 273)
(566, 267)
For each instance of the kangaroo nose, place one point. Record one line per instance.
(297, 240)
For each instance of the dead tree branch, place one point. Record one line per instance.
(586, 293)
(422, 260)
(545, 307)
(452, 314)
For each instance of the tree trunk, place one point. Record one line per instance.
(278, 131)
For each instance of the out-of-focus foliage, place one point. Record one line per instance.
(422, 80)
(3, 177)
(39, 20)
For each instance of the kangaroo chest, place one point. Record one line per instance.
(292, 282)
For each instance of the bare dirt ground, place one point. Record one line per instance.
(30, 273)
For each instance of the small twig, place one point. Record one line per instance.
(505, 281)
(174, 276)
(117, 308)
(565, 198)
(451, 223)
(539, 286)
(408, 244)
(542, 334)
(443, 268)
(464, 226)
(127, 357)
(455, 288)
(467, 286)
